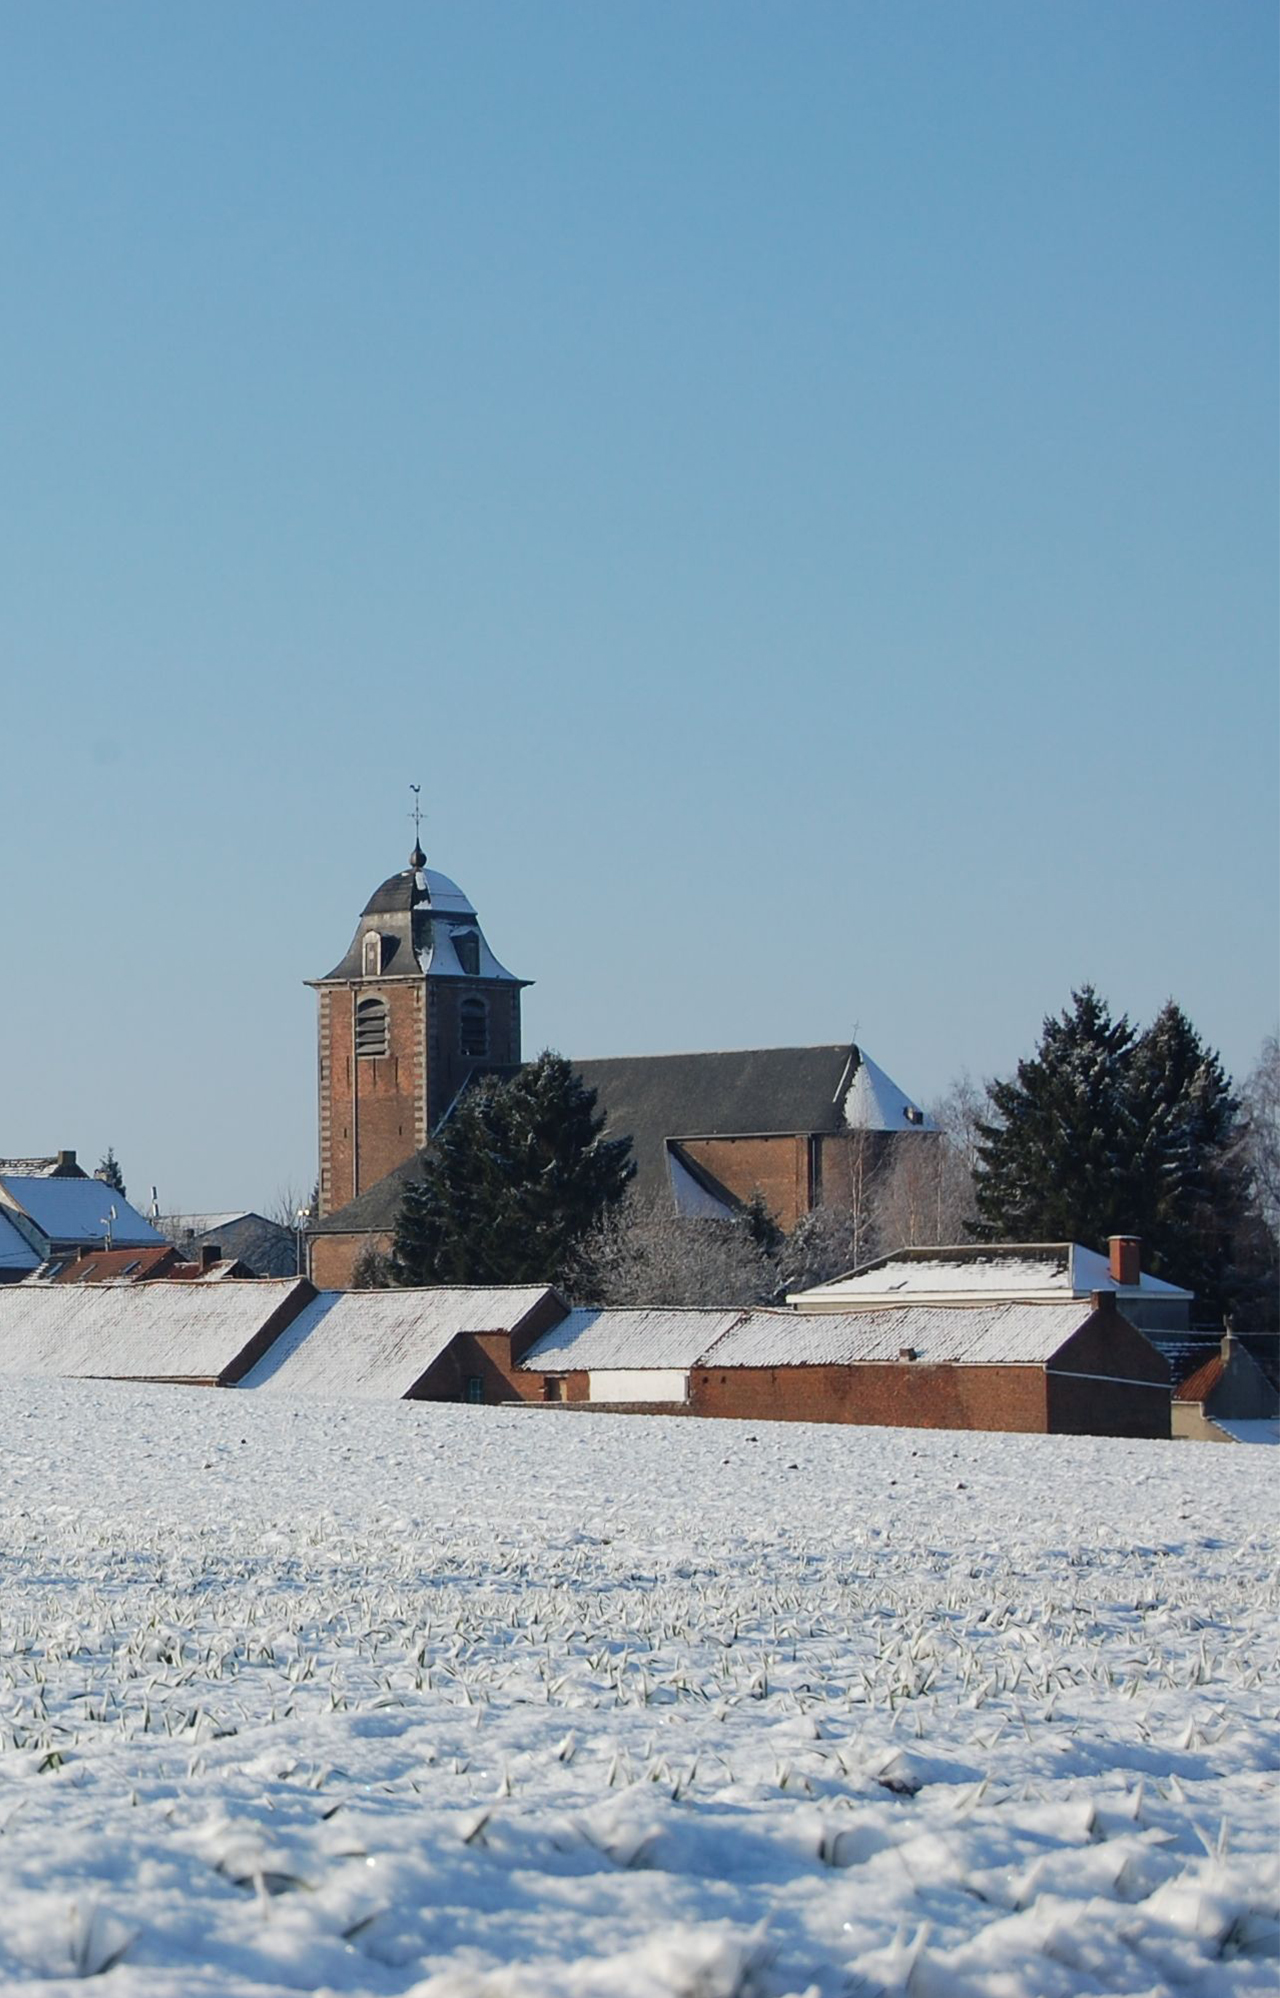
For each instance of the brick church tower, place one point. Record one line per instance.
(417, 1005)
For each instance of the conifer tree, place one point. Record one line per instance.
(110, 1174)
(1055, 1159)
(1191, 1192)
(516, 1179)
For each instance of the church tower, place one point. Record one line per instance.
(418, 1004)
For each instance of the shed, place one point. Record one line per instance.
(1073, 1367)
(201, 1334)
(446, 1344)
(638, 1357)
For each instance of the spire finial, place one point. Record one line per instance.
(417, 858)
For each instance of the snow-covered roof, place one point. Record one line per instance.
(77, 1210)
(1040, 1270)
(377, 1344)
(875, 1102)
(1249, 1429)
(16, 1252)
(994, 1334)
(134, 1331)
(599, 1339)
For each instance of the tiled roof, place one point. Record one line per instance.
(377, 1344)
(1200, 1385)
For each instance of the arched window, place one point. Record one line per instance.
(466, 946)
(372, 961)
(473, 1017)
(371, 1027)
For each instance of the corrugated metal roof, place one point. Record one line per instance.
(375, 1344)
(953, 1335)
(133, 1331)
(652, 1337)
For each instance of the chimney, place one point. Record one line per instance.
(66, 1163)
(1104, 1301)
(210, 1253)
(1126, 1261)
(1229, 1347)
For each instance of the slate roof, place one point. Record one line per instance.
(16, 1252)
(745, 1092)
(377, 1344)
(419, 914)
(144, 1331)
(374, 1211)
(269, 1249)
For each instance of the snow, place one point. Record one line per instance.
(78, 1210)
(1249, 1429)
(379, 1343)
(523, 1703)
(1055, 1270)
(956, 1334)
(149, 1331)
(645, 1337)
(16, 1253)
(875, 1102)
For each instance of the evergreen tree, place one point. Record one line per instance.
(1055, 1159)
(516, 1179)
(1192, 1190)
(110, 1174)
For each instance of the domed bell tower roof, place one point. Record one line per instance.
(425, 927)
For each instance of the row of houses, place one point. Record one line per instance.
(1062, 1364)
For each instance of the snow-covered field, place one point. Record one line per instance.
(532, 1704)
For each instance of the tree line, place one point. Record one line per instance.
(1104, 1130)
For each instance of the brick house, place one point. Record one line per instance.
(1228, 1399)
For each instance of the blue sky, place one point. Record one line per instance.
(795, 485)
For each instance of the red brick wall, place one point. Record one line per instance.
(333, 1257)
(778, 1166)
(909, 1395)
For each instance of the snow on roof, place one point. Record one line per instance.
(78, 1210)
(597, 1340)
(1249, 1429)
(994, 1334)
(1037, 1270)
(134, 1331)
(875, 1102)
(16, 1253)
(377, 1344)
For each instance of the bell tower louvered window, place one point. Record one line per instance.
(371, 1027)
(473, 1018)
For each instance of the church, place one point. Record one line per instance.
(419, 1006)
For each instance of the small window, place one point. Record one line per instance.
(372, 960)
(371, 1027)
(473, 1017)
(475, 1387)
(466, 946)
(553, 1387)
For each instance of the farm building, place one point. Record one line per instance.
(1010, 1272)
(461, 1344)
(200, 1334)
(1228, 1399)
(1074, 1367)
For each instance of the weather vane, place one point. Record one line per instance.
(416, 813)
